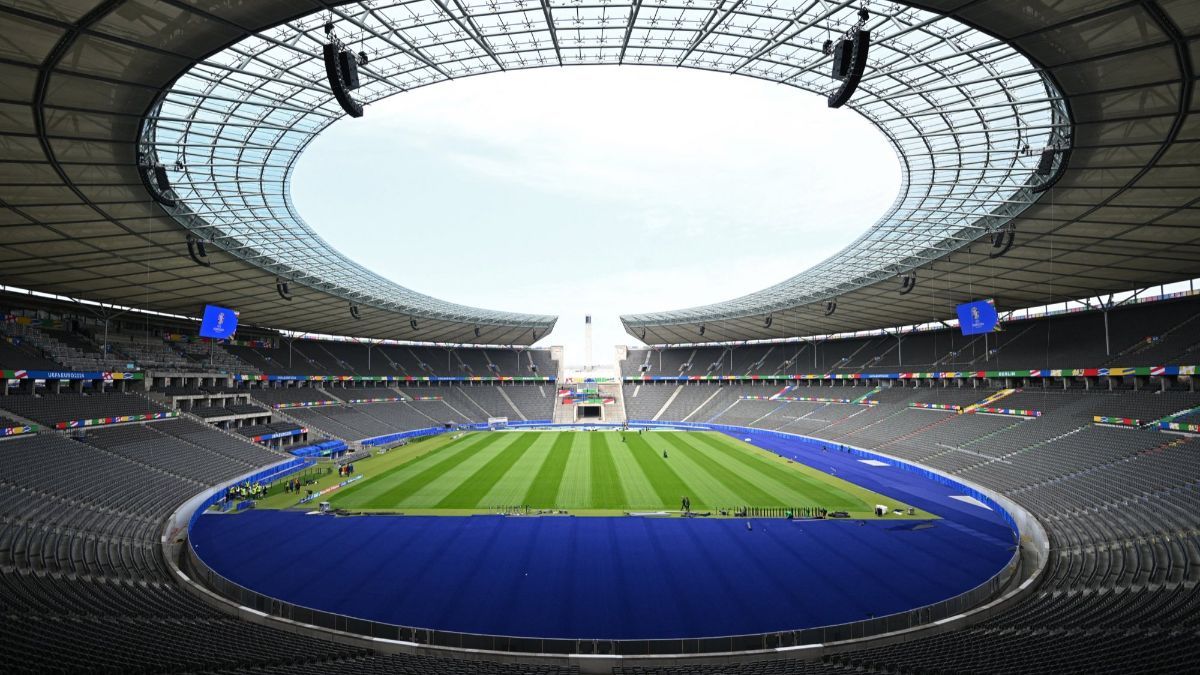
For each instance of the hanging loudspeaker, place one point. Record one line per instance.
(849, 61)
(197, 252)
(1046, 162)
(348, 67)
(337, 80)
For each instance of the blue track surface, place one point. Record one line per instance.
(619, 578)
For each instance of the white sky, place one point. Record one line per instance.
(601, 190)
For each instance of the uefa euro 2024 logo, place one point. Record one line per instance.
(220, 327)
(974, 317)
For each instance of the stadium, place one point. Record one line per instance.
(966, 442)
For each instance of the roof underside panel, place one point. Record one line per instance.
(1123, 215)
(226, 96)
(967, 113)
(77, 79)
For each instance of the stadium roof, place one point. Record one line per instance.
(226, 95)
(1122, 216)
(78, 79)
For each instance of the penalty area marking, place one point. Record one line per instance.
(970, 500)
(873, 462)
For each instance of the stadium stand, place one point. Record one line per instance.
(109, 148)
(1117, 503)
(533, 402)
(263, 429)
(642, 402)
(1147, 334)
(316, 357)
(285, 395)
(19, 355)
(51, 409)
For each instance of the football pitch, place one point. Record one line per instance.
(594, 473)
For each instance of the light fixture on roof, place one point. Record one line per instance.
(354, 311)
(412, 322)
(908, 282)
(702, 329)
(476, 331)
(1002, 240)
(154, 177)
(281, 287)
(1051, 165)
(849, 54)
(341, 69)
(197, 251)
(768, 321)
(830, 306)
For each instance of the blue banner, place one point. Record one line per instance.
(978, 317)
(218, 323)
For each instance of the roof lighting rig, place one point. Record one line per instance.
(849, 54)
(341, 67)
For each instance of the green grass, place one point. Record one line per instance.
(589, 473)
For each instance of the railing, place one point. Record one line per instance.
(913, 618)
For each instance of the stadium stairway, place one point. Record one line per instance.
(916, 432)
(1166, 337)
(688, 417)
(825, 431)
(563, 413)
(670, 400)
(504, 395)
(478, 409)
(616, 412)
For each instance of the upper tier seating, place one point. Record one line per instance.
(1150, 334)
(316, 357)
(51, 409)
(283, 395)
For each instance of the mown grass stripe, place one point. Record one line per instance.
(606, 484)
(375, 490)
(639, 490)
(512, 487)
(575, 490)
(668, 485)
(470, 491)
(706, 490)
(819, 490)
(428, 495)
(745, 462)
(411, 484)
(594, 473)
(544, 490)
(749, 493)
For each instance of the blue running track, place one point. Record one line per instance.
(619, 578)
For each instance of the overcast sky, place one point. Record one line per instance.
(601, 190)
